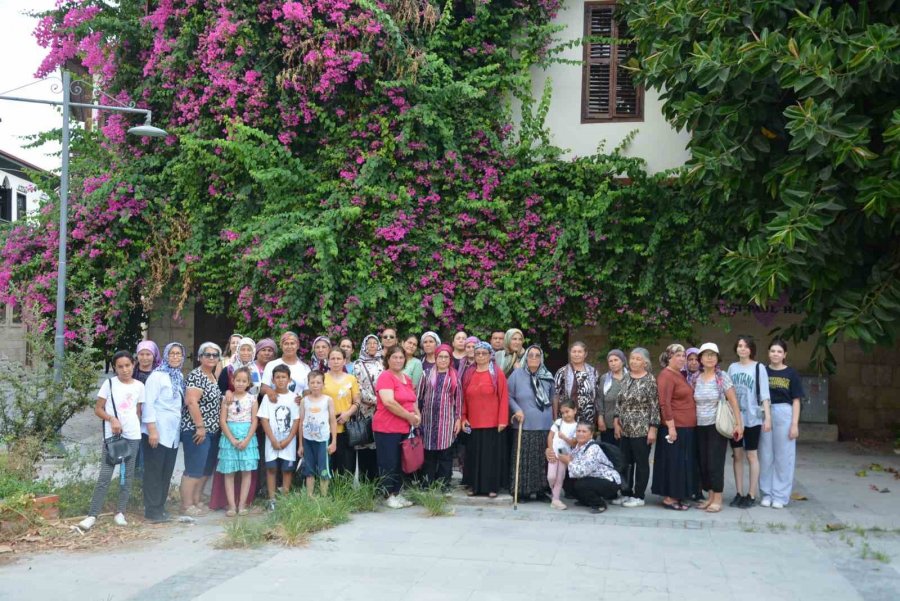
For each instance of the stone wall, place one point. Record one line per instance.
(12, 336)
(864, 393)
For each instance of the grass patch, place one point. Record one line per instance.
(244, 533)
(867, 552)
(13, 484)
(776, 527)
(297, 516)
(431, 498)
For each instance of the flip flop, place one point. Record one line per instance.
(676, 506)
(714, 508)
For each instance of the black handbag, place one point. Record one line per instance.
(118, 449)
(359, 431)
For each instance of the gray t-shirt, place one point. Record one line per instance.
(707, 396)
(744, 378)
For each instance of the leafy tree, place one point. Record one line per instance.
(793, 111)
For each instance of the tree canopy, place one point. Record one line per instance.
(335, 166)
(793, 111)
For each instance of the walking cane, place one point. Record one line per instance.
(518, 458)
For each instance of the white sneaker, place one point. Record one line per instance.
(87, 523)
(619, 500)
(394, 503)
(633, 502)
(777, 505)
(404, 502)
(766, 502)
(119, 519)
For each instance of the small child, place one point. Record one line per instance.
(238, 448)
(319, 426)
(280, 421)
(560, 441)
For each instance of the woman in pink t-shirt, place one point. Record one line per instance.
(396, 411)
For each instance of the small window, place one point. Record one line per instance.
(6, 196)
(21, 205)
(608, 92)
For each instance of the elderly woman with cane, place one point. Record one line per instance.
(530, 402)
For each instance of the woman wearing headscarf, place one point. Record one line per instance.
(367, 368)
(148, 359)
(265, 352)
(636, 422)
(429, 343)
(577, 382)
(440, 403)
(675, 466)
(319, 358)
(512, 356)
(691, 362)
(530, 394)
(610, 384)
(245, 357)
(160, 430)
(486, 412)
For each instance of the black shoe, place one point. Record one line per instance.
(747, 502)
(600, 508)
(158, 519)
(736, 501)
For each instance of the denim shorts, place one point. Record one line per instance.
(280, 464)
(315, 459)
(196, 456)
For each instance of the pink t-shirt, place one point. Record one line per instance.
(385, 421)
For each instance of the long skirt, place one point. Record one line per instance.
(532, 462)
(675, 466)
(486, 461)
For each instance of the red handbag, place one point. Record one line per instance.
(412, 453)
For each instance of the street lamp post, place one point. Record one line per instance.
(146, 130)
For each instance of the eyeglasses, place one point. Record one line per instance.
(387, 336)
(210, 355)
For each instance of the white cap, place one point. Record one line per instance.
(709, 346)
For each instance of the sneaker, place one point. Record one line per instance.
(766, 502)
(736, 501)
(747, 502)
(404, 502)
(394, 503)
(87, 523)
(633, 502)
(777, 505)
(119, 519)
(557, 504)
(270, 506)
(619, 500)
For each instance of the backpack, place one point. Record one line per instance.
(613, 454)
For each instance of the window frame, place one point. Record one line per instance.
(613, 61)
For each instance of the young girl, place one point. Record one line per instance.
(238, 448)
(751, 382)
(119, 406)
(778, 448)
(560, 442)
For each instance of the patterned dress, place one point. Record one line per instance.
(582, 387)
(210, 402)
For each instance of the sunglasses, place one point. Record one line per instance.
(388, 336)
(210, 355)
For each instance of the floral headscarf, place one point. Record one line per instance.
(314, 362)
(364, 354)
(175, 375)
(538, 378)
(237, 363)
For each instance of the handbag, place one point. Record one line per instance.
(412, 453)
(359, 431)
(118, 449)
(725, 421)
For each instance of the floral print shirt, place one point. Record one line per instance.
(637, 405)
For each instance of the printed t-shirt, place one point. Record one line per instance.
(785, 385)
(316, 418)
(127, 398)
(281, 415)
(342, 392)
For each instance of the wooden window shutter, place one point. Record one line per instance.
(608, 89)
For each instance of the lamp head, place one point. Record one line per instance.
(148, 131)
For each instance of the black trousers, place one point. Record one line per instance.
(368, 464)
(711, 448)
(159, 463)
(387, 450)
(636, 455)
(438, 467)
(593, 492)
(343, 461)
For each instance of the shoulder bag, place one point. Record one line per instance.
(359, 428)
(726, 422)
(118, 449)
(412, 453)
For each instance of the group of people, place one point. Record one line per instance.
(492, 406)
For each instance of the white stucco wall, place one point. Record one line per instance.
(21, 185)
(656, 141)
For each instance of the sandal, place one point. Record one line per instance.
(676, 506)
(714, 508)
(231, 513)
(493, 495)
(702, 505)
